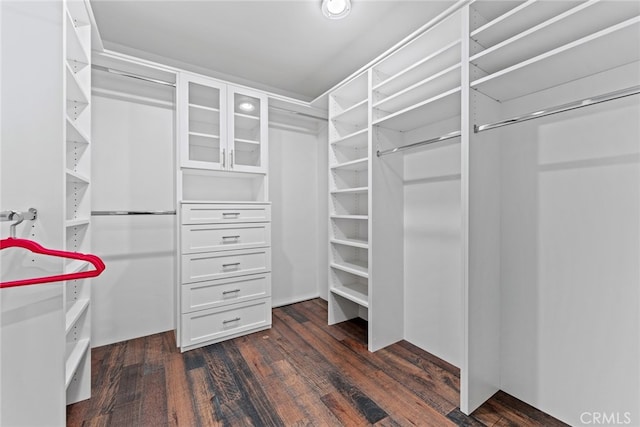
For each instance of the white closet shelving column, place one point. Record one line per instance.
(77, 293)
(349, 148)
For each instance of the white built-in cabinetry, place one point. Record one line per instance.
(224, 216)
(224, 128)
(77, 217)
(515, 286)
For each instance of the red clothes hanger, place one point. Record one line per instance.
(34, 247)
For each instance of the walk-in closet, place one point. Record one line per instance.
(320, 212)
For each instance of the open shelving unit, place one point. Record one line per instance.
(77, 223)
(549, 48)
(349, 159)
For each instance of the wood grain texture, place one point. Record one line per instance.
(301, 372)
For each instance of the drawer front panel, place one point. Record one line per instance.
(218, 265)
(216, 293)
(214, 213)
(215, 324)
(207, 238)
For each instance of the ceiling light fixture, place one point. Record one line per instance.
(246, 106)
(336, 9)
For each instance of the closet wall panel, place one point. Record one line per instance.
(133, 170)
(295, 217)
(432, 249)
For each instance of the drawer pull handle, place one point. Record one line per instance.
(230, 213)
(233, 264)
(230, 237)
(224, 322)
(230, 292)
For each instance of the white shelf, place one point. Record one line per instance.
(73, 361)
(427, 66)
(77, 309)
(353, 92)
(247, 141)
(357, 139)
(74, 133)
(587, 56)
(204, 108)
(76, 266)
(357, 114)
(485, 11)
(204, 135)
(353, 165)
(246, 122)
(354, 217)
(561, 29)
(431, 86)
(355, 243)
(75, 92)
(77, 222)
(357, 268)
(356, 190)
(518, 20)
(76, 49)
(77, 177)
(356, 292)
(440, 107)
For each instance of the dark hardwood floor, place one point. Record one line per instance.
(299, 373)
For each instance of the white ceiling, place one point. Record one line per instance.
(283, 46)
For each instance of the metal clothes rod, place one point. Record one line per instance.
(109, 213)
(418, 144)
(561, 108)
(131, 75)
(298, 113)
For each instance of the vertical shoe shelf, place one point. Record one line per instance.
(349, 159)
(77, 296)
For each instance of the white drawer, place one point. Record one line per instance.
(225, 213)
(217, 237)
(218, 265)
(215, 324)
(216, 293)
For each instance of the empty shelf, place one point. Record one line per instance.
(353, 165)
(76, 311)
(358, 190)
(357, 268)
(356, 292)
(355, 243)
(75, 357)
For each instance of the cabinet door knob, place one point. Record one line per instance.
(230, 237)
(231, 292)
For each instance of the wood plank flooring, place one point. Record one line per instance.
(301, 372)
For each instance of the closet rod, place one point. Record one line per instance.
(418, 144)
(298, 113)
(561, 108)
(131, 75)
(109, 213)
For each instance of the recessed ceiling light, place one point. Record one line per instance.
(246, 106)
(336, 9)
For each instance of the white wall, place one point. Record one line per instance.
(132, 169)
(295, 193)
(433, 303)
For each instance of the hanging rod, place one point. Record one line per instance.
(298, 113)
(561, 108)
(418, 144)
(109, 213)
(132, 75)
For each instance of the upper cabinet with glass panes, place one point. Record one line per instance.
(222, 127)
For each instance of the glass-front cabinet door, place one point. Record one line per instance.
(203, 129)
(248, 130)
